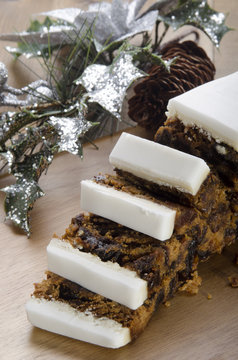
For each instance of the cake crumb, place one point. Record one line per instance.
(191, 286)
(233, 281)
(56, 236)
(209, 296)
(167, 303)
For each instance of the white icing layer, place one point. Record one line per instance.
(134, 212)
(105, 278)
(158, 163)
(63, 319)
(212, 107)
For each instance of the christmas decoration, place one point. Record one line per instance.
(89, 65)
(113, 22)
(199, 14)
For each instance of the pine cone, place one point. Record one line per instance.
(192, 68)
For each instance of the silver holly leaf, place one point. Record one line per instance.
(107, 85)
(70, 130)
(20, 198)
(199, 14)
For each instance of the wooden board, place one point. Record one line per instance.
(193, 327)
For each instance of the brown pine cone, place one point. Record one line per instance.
(192, 68)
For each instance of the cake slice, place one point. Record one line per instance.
(167, 173)
(212, 108)
(164, 171)
(133, 210)
(63, 307)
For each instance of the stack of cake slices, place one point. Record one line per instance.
(145, 228)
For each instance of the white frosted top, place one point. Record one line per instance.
(106, 278)
(212, 107)
(134, 212)
(158, 163)
(63, 319)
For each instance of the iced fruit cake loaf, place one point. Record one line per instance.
(211, 203)
(204, 200)
(203, 122)
(109, 257)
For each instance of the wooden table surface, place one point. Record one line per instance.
(193, 327)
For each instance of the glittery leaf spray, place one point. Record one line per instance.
(199, 14)
(85, 86)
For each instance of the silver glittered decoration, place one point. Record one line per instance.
(111, 22)
(118, 20)
(107, 85)
(69, 130)
(198, 13)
